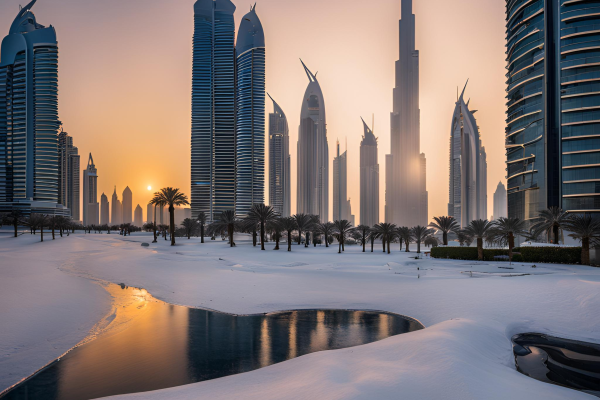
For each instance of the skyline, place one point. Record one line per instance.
(136, 122)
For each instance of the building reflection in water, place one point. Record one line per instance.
(164, 346)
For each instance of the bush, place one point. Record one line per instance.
(557, 255)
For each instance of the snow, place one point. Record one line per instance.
(470, 309)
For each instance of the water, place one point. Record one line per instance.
(154, 345)
(563, 362)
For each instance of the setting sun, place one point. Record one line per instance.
(149, 187)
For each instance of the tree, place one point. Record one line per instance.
(275, 227)
(505, 230)
(315, 228)
(14, 218)
(288, 225)
(478, 229)
(303, 222)
(431, 241)
(171, 197)
(446, 225)
(326, 229)
(155, 202)
(202, 221)
(343, 229)
(188, 225)
(463, 237)
(364, 231)
(586, 229)
(386, 232)
(262, 215)
(552, 220)
(226, 222)
(53, 222)
(405, 234)
(420, 234)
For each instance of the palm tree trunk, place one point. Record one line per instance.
(42, 232)
(154, 224)
(400, 240)
(289, 241)
(480, 249)
(16, 226)
(418, 247)
(254, 236)
(53, 236)
(299, 237)
(276, 242)
(445, 238)
(201, 233)
(343, 244)
(262, 235)
(172, 227)
(326, 241)
(383, 244)
(340, 246)
(389, 242)
(555, 231)
(364, 240)
(372, 243)
(230, 232)
(407, 246)
(585, 251)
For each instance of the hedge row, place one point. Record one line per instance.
(557, 255)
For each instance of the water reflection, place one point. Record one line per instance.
(165, 346)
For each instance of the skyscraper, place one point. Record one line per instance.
(279, 161)
(340, 186)
(68, 182)
(552, 149)
(313, 153)
(29, 159)
(150, 213)
(127, 206)
(91, 208)
(424, 198)
(116, 217)
(408, 189)
(138, 219)
(213, 108)
(500, 209)
(104, 210)
(369, 178)
(250, 114)
(468, 167)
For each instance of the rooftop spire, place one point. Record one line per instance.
(311, 77)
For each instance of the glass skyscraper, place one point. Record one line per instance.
(250, 114)
(369, 178)
(213, 108)
(279, 161)
(553, 117)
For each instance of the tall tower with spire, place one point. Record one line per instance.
(369, 178)
(279, 161)
(404, 200)
(91, 208)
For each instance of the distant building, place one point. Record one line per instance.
(341, 204)
(500, 208)
(138, 219)
(313, 153)
(91, 208)
(424, 199)
(104, 210)
(279, 162)
(127, 206)
(369, 179)
(180, 215)
(116, 217)
(150, 213)
(68, 182)
(389, 186)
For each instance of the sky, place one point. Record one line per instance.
(125, 81)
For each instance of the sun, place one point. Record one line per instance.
(149, 187)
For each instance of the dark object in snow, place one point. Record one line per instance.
(145, 245)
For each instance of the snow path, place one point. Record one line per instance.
(465, 353)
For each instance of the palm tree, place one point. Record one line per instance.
(343, 229)
(275, 227)
(386, 232)
(552, 220)
(171, 197)
(420, 234)
(326, 229)
(462, 236)
(505, 230)
(228, 222)
(289, 225)
(303, 222)
(315, 228)
(586, 229)
(155, 202)
(446, 225)
(405, 234)
(261, 214)
(188, 225)
(478, 229)
(202, 221)
(431, 241)
(364, 231)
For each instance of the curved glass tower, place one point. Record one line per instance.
(313, 153)
(213, 108)
(369, 178)
(279, 161)
(250, 114)
(29, 159)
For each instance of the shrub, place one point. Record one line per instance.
(557, 255)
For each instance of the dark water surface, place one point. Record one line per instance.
(563, 362)
(167, 345)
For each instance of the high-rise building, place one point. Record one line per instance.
(104, 210)
(91, 208)
(369, 178)
(68, 182)
(250, 114)
(279, 161)
(213, 108)
(468, 167)
(404, 200)
(500, 208)
(29, 159)
(138, 219)
(340, 186)
(389, 186)
(127, 206)
(116, 217)
(552, 148)
(150, 213)
(424, 194)
(313, 153)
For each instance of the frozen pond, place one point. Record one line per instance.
(165, 345)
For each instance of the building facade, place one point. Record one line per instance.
(91, 208)
(404, 199)
(116, 214)
(500, 208)
(127, 206)
(250, 114)
(213, 108)
(468, 167)
(340, 185)
(150, 213)
(29, 159)
(279, 161)
(369, 178)
(104, 210)
(313, 153)
(69, 182)
(138, 219)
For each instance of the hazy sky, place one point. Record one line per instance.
(125, 80)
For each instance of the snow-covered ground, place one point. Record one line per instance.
(470, 309)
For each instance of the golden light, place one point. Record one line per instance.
(149, 187)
